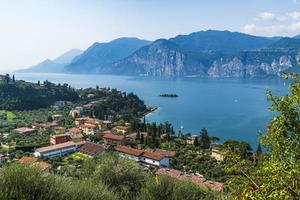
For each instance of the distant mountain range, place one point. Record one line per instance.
(53, 66)
(205, 53)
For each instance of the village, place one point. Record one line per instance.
(113, 137)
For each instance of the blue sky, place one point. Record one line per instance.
(34, 30)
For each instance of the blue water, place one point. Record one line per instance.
(228, 108)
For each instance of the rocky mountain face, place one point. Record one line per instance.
(205, 53)
(160, 59)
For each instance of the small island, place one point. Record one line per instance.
(169, 95)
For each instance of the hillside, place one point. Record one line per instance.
(21, 95)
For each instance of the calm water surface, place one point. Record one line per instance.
(228, 108)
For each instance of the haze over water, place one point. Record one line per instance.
(228, 108)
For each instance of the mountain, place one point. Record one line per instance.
(222, 41)
(101, 55)
(53, 66)
(174, 58)
(67, 57)
(162, 58)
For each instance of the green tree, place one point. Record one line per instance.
(278, 177)
(204, 142)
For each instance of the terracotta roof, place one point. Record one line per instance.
(55, 147)
(218, 186)
(153, 155)
(113, 137)
(91, 148)
(24, 130)
(166, 153)
(128, 150)
(87, 125)
(59, 128)
(27, 160)
(75, 130)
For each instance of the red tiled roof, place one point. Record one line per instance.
(114, 137)
(162, 151)
(153, 155)
(24, 130)
(92, 148)
(128, 150)
(218, 186)
(75, 130)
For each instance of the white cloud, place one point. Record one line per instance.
(294, 15)
(275, 29)
(267, 16)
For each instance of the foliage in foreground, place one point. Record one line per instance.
(110, 177)
(276, 175)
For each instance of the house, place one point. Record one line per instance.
(106, 124)
(90, 96)
(75, 134)
(57, 117)
(89, 129)
(114, 139)
(154, 158)
(191, 139)
(169, 154)
(56, 150)
(2, 159)
(92, 149)
(131, 137)
(121, 129)
(59, 129)
(196, 179)
(34, 161)
(217, 154)
(58, 139)
(44, 126)
(77, 112)
(145, 157)
(128, 152)
(25, 131)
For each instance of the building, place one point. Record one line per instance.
(121, 129)
(34, 161)
(106, 124)
(145, 157)
(114, 139)
(77, 112)
(92, 149)
(57, 117)
(25, 131)
(156, 159)
(75, 134)
(169, 154)
(196, 179)
(58, 139)
(59, 129)
(128, 152)
(131, 137)
(57, 150)
(217, 154)
(191, 139)
(89, 129)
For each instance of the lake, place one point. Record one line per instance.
(227, 108)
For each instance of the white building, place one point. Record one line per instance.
(145, 157)
(56, 150)
(155, 159)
